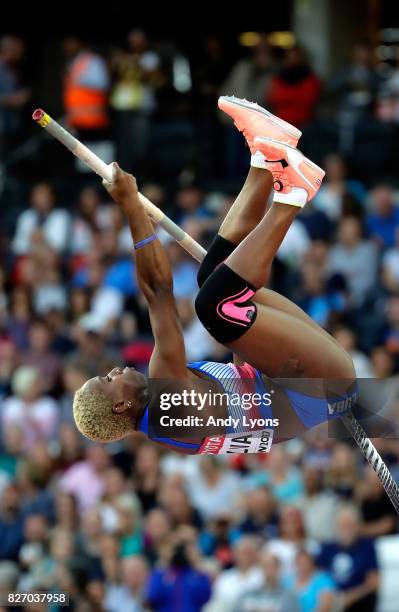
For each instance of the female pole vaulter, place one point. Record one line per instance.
(271, 337)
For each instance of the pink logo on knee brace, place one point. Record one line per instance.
(234, 310)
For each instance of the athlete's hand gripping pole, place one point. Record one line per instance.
(103, 170)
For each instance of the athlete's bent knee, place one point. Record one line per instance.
(224, 305)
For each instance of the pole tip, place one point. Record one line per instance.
(38, 114)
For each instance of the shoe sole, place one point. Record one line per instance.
(262, 111)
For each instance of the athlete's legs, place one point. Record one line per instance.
(279, 343)
(244, 215)
(270, 333)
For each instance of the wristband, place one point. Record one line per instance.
(141, 243)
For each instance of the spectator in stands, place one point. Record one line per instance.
(128, 525)
(13, 449)
(56, 320)
(157, 528)
(319, 502)
(342, 475)
(379, 516)
(33, 478)
(129, 595)
(284, 480)
(294, 91)
(87, 277)
(199, 343)
(176, 502)
(55, 565)
(11, 523)
(112, 217)
(215, 489)
(9, 575)
(318, 451)
(217, 538)
(383, 219)
(352, 561)
(346, 337)
(41, 272)
(3, 296)
(390, 93)
(382, 362)
(120, 511)
(136, 76)
(9, 359)
(34, 413)
(209, 70)
(136, 347)
(338, 193)
(71, 446)
(110, 277)
(244, 577)
(86, 89)
(85, 479)
(42, 215)
(260, 513)
(190, 204)
(180, 586)
(109, 558)
(249, 78)
(91, 346)
(392, 331)
(66, 511)
(119, 283)
(390, 266)
(271, 595)
(316, 298)
(147, 476)
(14, 94)
(41, 356)
(19, 314)
(315, 589)
(91, 529)
(79, 303)
(74, 376)
(356, 85)
(184, 271)
(85, 222)
(291, 538)
(356, 259)
(36, 532)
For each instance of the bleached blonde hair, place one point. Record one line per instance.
(95, 419)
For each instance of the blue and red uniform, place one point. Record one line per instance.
(246, 381)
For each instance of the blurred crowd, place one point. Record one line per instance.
(142, 96)
(128, 526)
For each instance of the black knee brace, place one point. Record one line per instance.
(224, 305)
(219, 250)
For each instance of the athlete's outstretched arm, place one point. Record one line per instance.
(154, 277)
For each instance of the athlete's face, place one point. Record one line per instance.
(127, 388)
